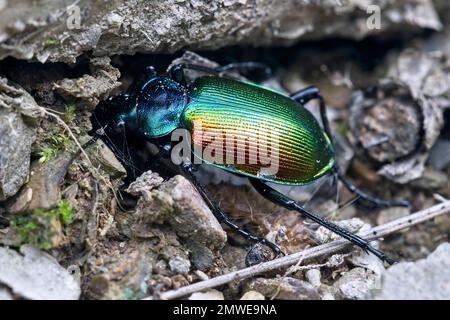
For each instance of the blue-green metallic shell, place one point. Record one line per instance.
(229, 108)
(159, 106)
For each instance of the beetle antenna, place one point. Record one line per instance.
(101, 133)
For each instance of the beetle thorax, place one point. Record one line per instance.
(160, 106)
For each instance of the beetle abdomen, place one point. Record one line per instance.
(255, 131)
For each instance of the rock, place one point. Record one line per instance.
(440, 155)
(43, 190)
(202, 257)
(179, 265)
(212, 294)
(234, 256)
(431, 179)
(423, 72)
(36, 275)
(329, 292)
(4, 294)
(390, 214)
(146, 182)
(90, 89)
(16, 99)
(423, 279)
(16, 137)
(178, 204)
(396, 127)
(252, 295)
(286, 288)
(354, 225)
(257, 254)
(15, 148)
(54, 31)
(356, 283)
(313, 277)
(120, 272)
(368, 261)
(105, 157)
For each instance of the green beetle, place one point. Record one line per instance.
(250, 119)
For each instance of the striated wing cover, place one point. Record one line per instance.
(255, 131)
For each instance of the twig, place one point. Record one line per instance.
(66, 126)
(313, 252)
(92, 168)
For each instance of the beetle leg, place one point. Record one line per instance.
(149, 73)
(311, 93)
(176, 71)
(187, 169)
(280, 199)
(241, 66)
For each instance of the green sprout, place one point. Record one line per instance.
(46, 154)
(69, 115)
(57, 143)
(38, 228)
(51, 42)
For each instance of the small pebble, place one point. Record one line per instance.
(179, 265)
(212, 294)
(313, 276)
(252, 295)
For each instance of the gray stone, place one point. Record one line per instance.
(440, 155)
(43, 190)
(179, 265)
(15, 147)
(146, 182)
(16, 137)
(252, 295)
(390, 214)
(202, 257)
(4, 294)
(106, 158)
(285, 288)
(313, 277)
(90, 89)
(212, 294)
(356, 283)
(54, 31)
(431, 179)
(36, 275)
(178, 204)
(120, 271)
(423, 279)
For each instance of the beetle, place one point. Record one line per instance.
(152, 109)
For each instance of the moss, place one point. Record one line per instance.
(41, 227)
(47, 154)
(343, 128)
(55, 144)
(51, 42)
(69, 115)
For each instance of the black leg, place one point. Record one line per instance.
(280, 199)
(310, 93)
(149, 72)
(187, 169)
(176, 71)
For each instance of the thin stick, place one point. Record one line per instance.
(92, 168)
(66, 126)
(313, 252)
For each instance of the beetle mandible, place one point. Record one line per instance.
(154, 108)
